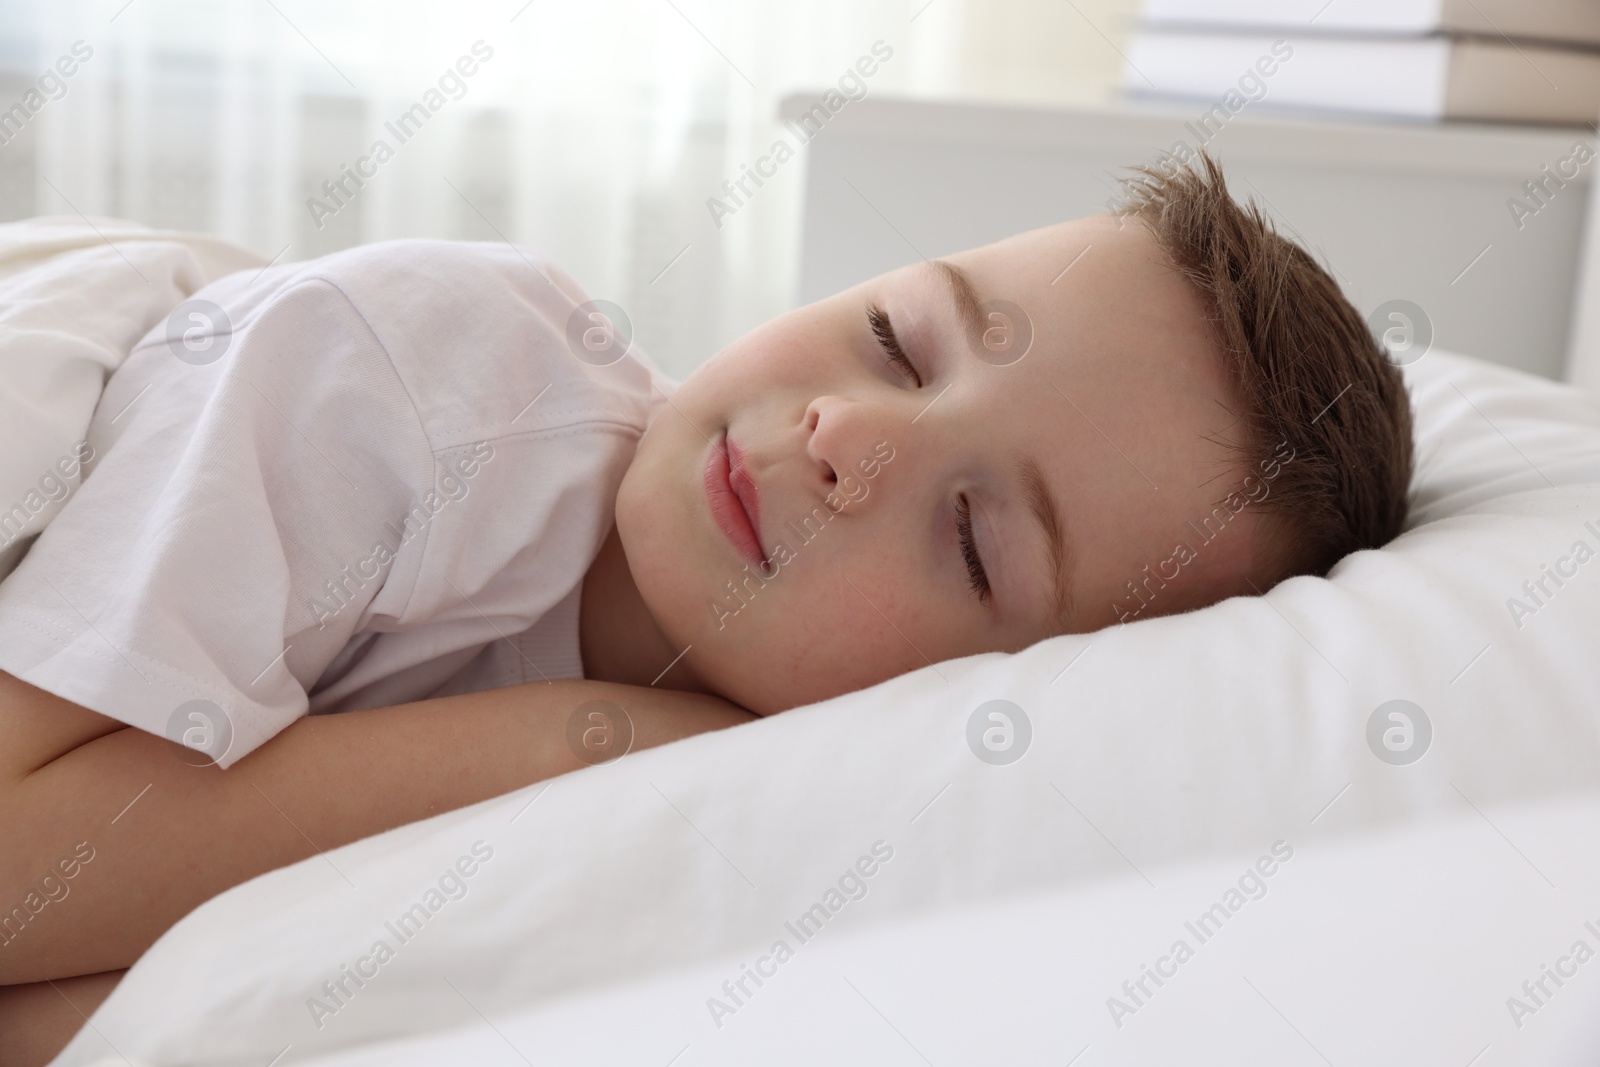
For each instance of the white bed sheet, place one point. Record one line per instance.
(1154, 744)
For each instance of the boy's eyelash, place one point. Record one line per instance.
(878, 319)
(976, 576)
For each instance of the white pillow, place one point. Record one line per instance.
(1074, 968)
(1222, 730)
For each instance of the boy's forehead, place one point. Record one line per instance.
(1104, 304)
(1096, 263)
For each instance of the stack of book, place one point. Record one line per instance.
(1535, 61)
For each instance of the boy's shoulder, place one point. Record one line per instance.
(418, 277)
(489, 339)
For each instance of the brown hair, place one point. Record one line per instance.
(1303, 361)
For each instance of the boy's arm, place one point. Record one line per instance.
(163, 837)
(38, 1019)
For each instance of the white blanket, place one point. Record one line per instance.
(1217, 732)
(75, 295)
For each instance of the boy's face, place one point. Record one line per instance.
(968, 504)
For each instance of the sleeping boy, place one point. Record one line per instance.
(431, 487)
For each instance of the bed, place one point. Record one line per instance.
(984, 908)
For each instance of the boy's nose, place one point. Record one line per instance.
(843, 432)
(833, 424)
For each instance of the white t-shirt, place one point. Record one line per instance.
(387, 487)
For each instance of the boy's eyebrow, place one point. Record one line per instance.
(1043, 508)
(968, 307)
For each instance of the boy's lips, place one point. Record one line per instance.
(735, 502)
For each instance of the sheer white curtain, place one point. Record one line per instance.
(594, 134)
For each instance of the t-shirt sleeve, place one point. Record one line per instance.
(226, 544)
